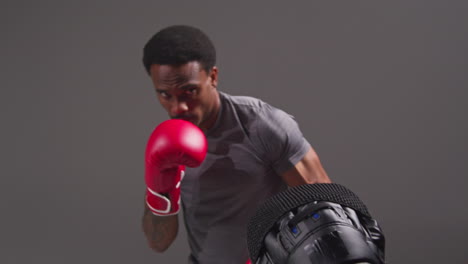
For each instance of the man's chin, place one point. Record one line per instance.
(192, 120)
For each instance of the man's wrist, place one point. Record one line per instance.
(162, 204)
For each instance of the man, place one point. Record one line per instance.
(254, 150)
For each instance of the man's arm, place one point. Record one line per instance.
(307, 171)
(173, 144)
(160, 231)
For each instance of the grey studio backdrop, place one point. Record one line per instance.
(378, 88)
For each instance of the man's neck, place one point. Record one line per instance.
(211, 121)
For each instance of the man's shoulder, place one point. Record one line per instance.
(243, 101)
(255, 107)
(252, 110)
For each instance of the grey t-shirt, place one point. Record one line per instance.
(249, 147)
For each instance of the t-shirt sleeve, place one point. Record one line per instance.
(279, 138)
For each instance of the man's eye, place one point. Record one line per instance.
(163, 94)
(192, 90)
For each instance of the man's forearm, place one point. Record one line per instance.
(160, 231)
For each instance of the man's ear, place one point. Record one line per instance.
(214, 76)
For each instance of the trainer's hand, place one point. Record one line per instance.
(173, 145)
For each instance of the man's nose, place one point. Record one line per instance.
(179, 107)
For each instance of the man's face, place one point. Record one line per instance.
(187, 92)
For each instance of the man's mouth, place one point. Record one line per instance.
(186, 118)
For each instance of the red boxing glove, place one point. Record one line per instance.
(173, 145)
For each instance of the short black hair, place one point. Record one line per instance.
(179, 44)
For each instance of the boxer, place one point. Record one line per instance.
(255, 150)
